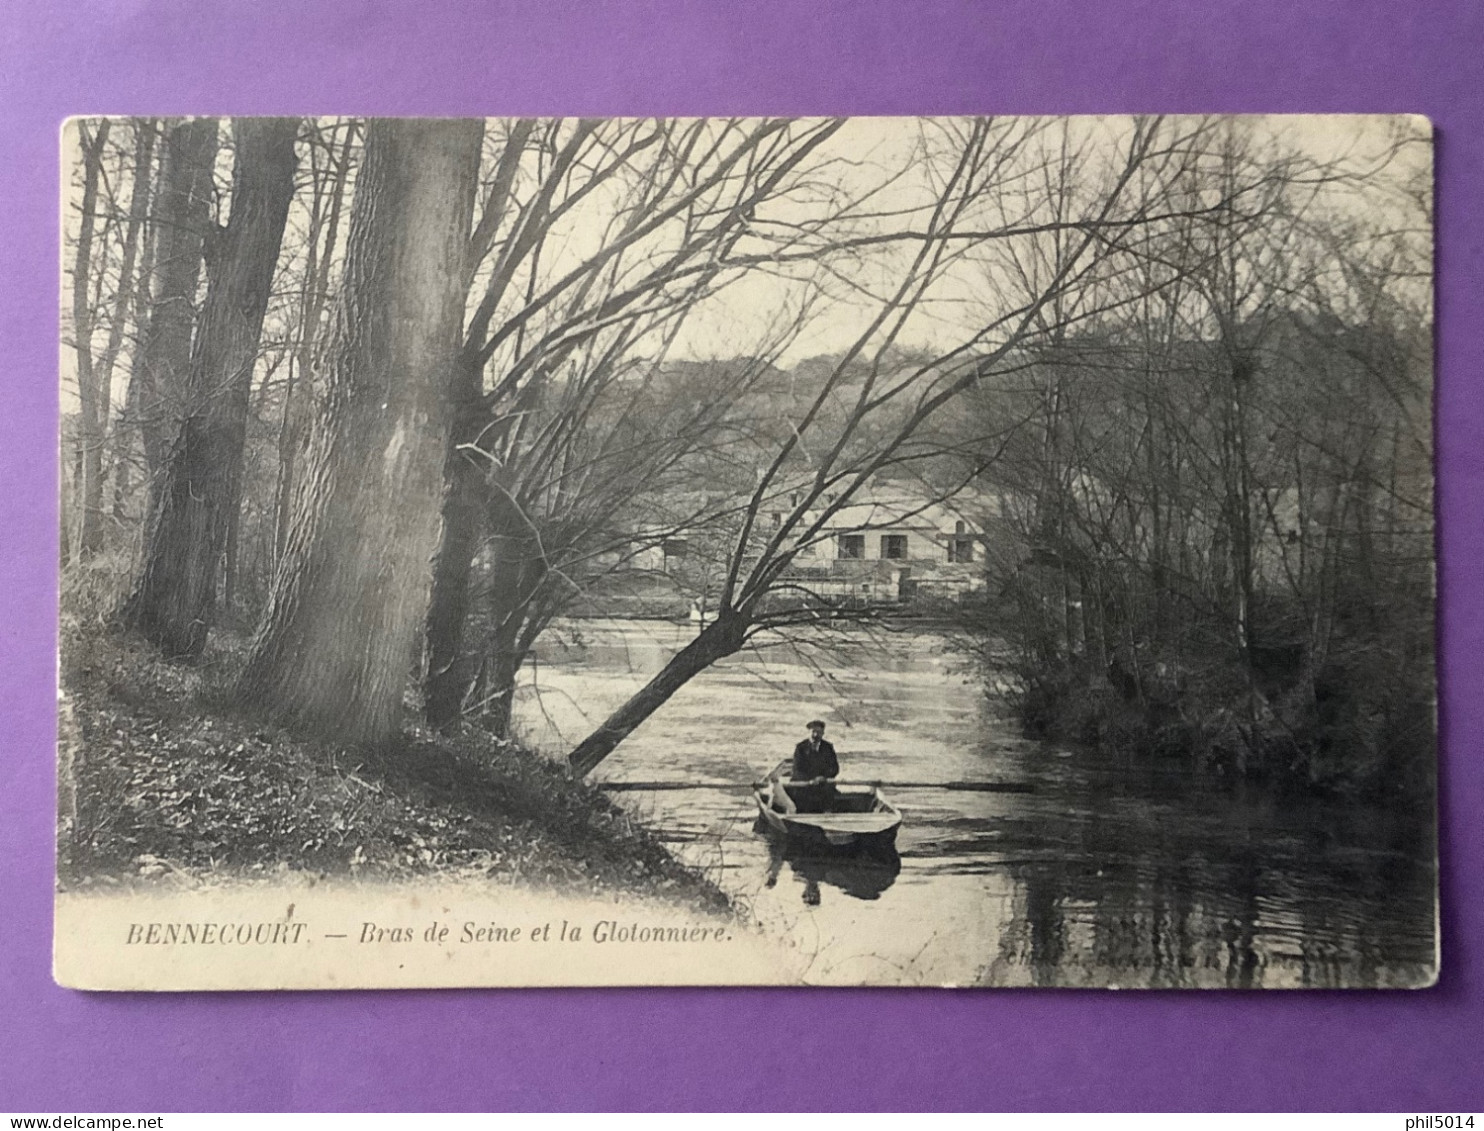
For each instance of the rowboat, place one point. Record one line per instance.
(857, 817)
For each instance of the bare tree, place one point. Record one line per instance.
(330, 174)
(675, 199)
(89, 442)
(868, 416)
(1222, 479)
(141, 135)
(174, 601)
(179, 219)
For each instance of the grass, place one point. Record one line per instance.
(163, 783)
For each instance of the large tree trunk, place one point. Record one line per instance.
(178, 227)
(503, 668)
(719, 639)
(298, 390)
(332, 655)
(464, 499)
(517, 574)
(449, 671)
(174, 603)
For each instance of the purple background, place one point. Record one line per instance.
(707, 1048)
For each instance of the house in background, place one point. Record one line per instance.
(894, 545)
(890, 546)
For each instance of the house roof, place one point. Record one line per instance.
(905, 511)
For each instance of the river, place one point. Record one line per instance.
(1077, 873)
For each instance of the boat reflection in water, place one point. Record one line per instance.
(859, 874)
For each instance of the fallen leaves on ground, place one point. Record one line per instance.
(164, 787)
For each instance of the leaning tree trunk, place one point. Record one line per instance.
(719, 639)
(174, 601)
(331, 657)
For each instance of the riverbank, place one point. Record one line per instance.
(157, 783)
(1364, 736)
(658, 602)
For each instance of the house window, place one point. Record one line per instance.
(960, 527)
(672, 550)
(894, 546)
(776, 519)
(961, 549)
(852, 545)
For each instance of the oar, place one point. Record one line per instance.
(959, 786)
(964, 786)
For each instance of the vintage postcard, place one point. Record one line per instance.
(942, 552)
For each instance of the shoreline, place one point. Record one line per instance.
(894, 623)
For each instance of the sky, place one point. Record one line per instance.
(866, 154)
(741, 315)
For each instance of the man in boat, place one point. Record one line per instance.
(814, 758)
(812, 774)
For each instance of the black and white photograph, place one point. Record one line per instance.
(967, 551)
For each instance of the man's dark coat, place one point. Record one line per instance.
(811, 761)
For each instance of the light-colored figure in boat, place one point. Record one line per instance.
(780, 801)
